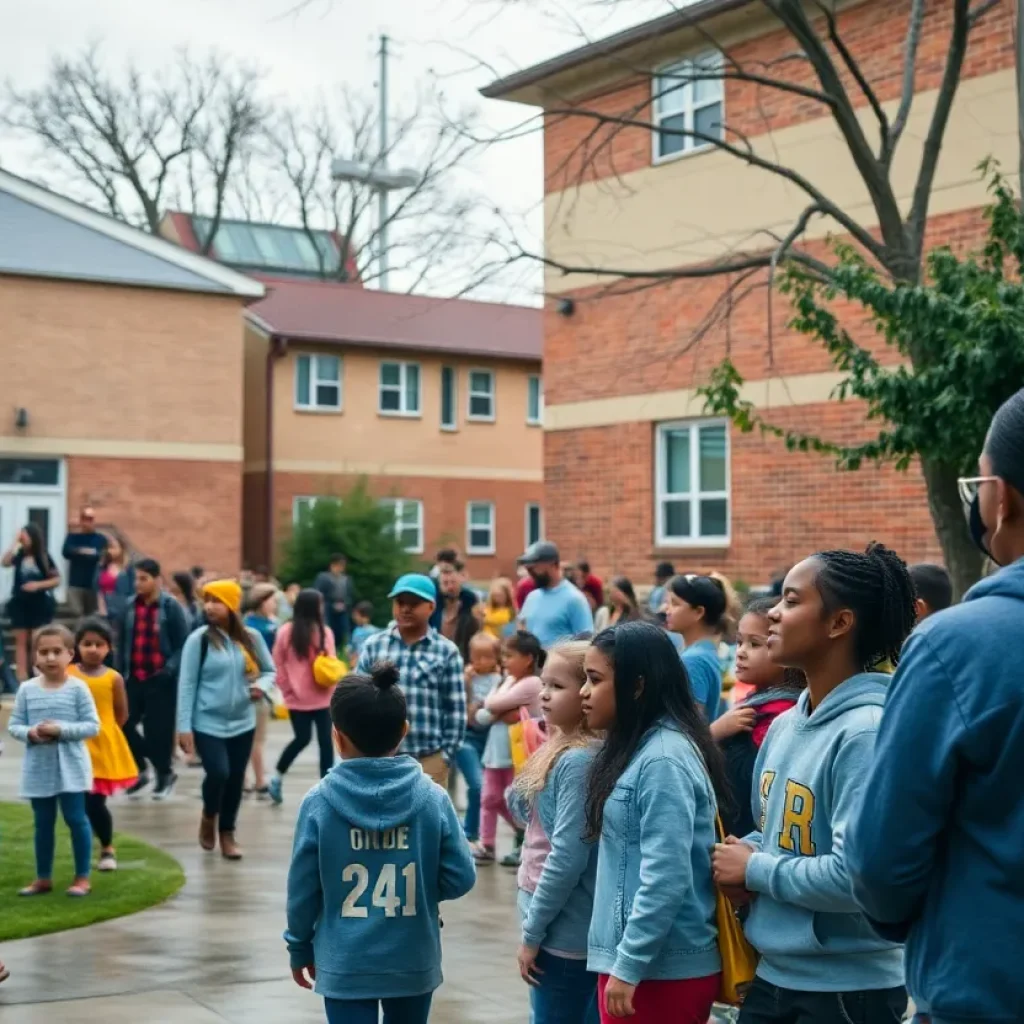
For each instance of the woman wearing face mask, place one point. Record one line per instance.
(934, 855)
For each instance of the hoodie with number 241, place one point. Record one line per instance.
(377, 847)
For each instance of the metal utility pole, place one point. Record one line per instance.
(382, 194)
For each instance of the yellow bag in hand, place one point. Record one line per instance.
(739, 959)
(524, 737)
(328, 671)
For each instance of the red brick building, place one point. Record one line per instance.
(634, 470)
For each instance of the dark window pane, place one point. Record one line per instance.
(712, 458)
(412, 388)
(677, 518)
(708, 121)
(447, 396)
(390, 401)
(479, 538)
(714, 517)
(677, 461)
(391, 374)
(327, 394)
(302, 366)
(30, 472)
(668, 144)
(480, 405)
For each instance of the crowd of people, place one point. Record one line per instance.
(833, 768)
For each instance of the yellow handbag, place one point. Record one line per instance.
(328, 671)
(739, 959)
(524, 737)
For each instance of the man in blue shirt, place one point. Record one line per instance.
(556, 609)
(83, 550)
(430, 674)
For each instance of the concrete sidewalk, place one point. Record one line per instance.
(214, 953)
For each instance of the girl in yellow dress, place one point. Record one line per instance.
(113, 766)
(497, 614)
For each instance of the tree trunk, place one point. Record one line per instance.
(963, 559)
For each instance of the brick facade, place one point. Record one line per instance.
(182, 513)
(444, 511)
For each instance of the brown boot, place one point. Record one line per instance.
(208, 832)
(229, 849)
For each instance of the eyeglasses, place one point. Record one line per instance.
(968, 487)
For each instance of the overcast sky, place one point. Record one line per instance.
(329, 42)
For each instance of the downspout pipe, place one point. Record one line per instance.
(276, 350)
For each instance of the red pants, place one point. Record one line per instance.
(666, 1002)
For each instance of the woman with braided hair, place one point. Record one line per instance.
(936, 857)
(842, 613)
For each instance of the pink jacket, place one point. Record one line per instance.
(295, 674)
(515, 693)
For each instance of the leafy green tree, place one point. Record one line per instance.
(959, 337)
(357, 526)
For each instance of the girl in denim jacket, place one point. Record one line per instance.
(651, 802)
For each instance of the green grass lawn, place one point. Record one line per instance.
(145, 876)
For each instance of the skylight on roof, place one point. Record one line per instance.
(269, 247)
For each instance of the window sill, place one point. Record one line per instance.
(481, 419)
(448, 430)
(314, 410)
(664, 545)
(670, 158)
(535, 423)
(388, 414)
(480, 551)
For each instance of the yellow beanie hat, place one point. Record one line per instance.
(228, 592)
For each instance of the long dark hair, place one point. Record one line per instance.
(237, 631)
(187, 585)
(37, 549)
(651, 685)
(308, 622)
(632, 610)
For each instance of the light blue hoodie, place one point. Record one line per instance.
(377, 847)
(654, 899)
(556, 915)
(808, 781)
(213, 693)
(937, 858)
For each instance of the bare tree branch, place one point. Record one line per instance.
(909, 74)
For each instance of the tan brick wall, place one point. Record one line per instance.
(181, 513)
(579, 148)
(599, 493)
(444, 510)
(126, 363)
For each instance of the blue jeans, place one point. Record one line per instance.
(567, 993)
(407, 1010)
(468, 760)
(72, 806)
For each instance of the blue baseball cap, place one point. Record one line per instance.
(416, 584)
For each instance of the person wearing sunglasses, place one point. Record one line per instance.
(935, 855)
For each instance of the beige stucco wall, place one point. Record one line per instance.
(110, 371)
(704, 205)
(358, 439)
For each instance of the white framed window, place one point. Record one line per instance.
(318, 383)
(534, 401)
(534, 524)
(481, 395)
(399, 393)
(302, 506)
(408, 513)
(683, 102)
(692, 484)
(480, 528)
(449, 398)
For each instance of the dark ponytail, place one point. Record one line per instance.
(371, 710)
(876, 586)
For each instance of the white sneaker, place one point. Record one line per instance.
(107, 862)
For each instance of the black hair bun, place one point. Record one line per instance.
(384, 675)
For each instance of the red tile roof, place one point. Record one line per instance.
(352, 315)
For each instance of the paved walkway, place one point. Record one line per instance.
(214, 953)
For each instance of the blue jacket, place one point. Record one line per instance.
(377, 847)
(83, 552)
(808, 780)
(557, 914)
(937, 853)
(654, 896)
(213, 692)
(174, 629)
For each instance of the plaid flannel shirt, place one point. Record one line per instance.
(430, 674)
(147, 658)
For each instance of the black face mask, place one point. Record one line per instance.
(977, 527)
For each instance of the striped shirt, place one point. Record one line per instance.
(62, 765)
(430, 674)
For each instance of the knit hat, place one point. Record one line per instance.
(228, 592)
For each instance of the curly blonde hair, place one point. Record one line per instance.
(534, 775)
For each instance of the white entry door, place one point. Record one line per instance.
(45, 505)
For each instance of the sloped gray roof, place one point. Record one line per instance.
(43, 234)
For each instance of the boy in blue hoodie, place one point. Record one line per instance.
(841, 614)
(378, 846)
(936, 857)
